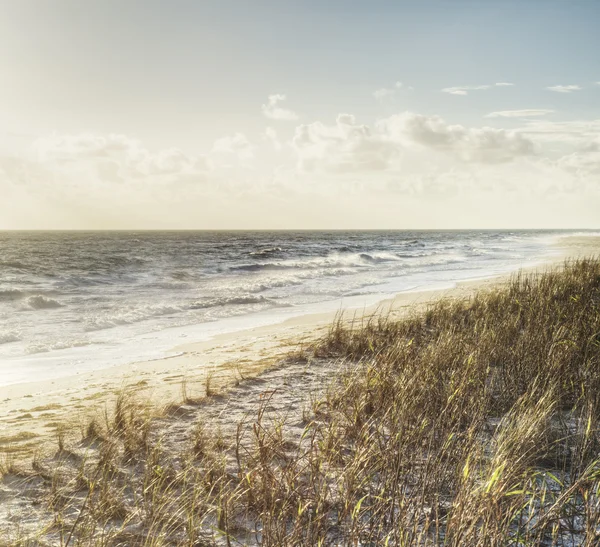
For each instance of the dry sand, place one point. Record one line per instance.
(32, 413)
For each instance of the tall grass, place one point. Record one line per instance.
(473, 423)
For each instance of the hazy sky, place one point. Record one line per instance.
(299, 114)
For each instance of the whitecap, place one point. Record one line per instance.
(9, 336)
(230, 301)
(9, 295)
(39, 302)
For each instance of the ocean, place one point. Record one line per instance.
(75, 301)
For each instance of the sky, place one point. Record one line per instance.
(225, 114)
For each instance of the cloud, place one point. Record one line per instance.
(382, 93)
(527, 113)
(485, 144)
(98, 181)
(343, 169)
(351, 147)
(345, 147)
(583, 163)
(564, 88)
(57, 147)
(465, 89)
(385, 92)
(271, 135)
(274, 112)
(120, 155)
(233, 145)
(575, 132)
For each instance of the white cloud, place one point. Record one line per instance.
(527, 113)
(99, 181)
(91, 180)
(583, 163)
(118, 154)
(345, 147)
(465, 89)
(564, 88)
(271, 135)
(350, 147)
(382, 93)
(236, 145)
(273, 111)
(57, 147)
(107, 181)
(485, 144)
(385, 92)
(575, 132)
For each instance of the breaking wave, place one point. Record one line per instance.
(9, 295)
(58, 344)
(266, 252)
(39, 302)
(7, 337)
(334, 260)
(230, 301)
(132, 314)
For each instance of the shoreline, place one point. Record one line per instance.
(31, 412)
(151, 345)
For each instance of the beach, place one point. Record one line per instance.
(32, 412)
(304, 407)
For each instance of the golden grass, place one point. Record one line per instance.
(475, 423)
(50, 406)
(21, 436)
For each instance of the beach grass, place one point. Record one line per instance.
(474, 422)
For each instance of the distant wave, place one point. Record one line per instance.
(180, 275)
(266, 252)
(14, 264)
(127, 260)
(169, 285)
(256, 267)
(230, 301)
(9, 295)
(39, 302)
(440, 260)
(335, 260)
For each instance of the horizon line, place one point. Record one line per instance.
(546, 229)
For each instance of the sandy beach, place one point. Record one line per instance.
(31, 413)
(220, 392)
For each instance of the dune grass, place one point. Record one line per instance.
(476, 423)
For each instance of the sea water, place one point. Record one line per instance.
(82, 300)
